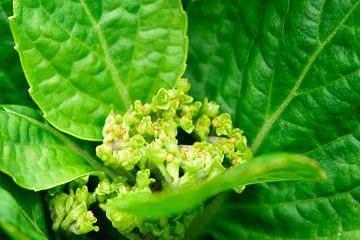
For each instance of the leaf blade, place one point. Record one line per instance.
(106, 55)
(36, 156)
(12, 80)
(266, 168)
(312, 44)
(17, 214)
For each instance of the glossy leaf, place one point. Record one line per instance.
(295, 73)
(266, 168)
(36, 155)
(100, 57)
(21, 213)
(13, 86)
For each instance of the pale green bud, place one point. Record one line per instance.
(222, 124)
(161, 99)
(210, 109)
(122, 221)
(156, 153)
(144, 125)
(143, 180)
(137, 141)
(186, 123)
(183, 85)
(202, 127)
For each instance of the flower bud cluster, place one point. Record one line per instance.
(147, 135)
(70, 211)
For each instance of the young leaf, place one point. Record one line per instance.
(37, 156)
(100, 57)
(295, 67)
(21, 213)
(266, 168)
(12, 80)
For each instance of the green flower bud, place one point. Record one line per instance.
(125, 159)
(137, 141)
(57, 205)
(210, 109)
(192, 109)
(161, 99)
(222, 124)
(143, 180)
(183, 85)
(186, 123)
(103, 188)
(186, 99)
(202, 127)
(122, 221)
(144, 125)
(156, 153)
(104, 151)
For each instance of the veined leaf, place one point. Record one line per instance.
(296, 69)
(36, 155)
(100, 57)
(13, 85)
(266, 168)
(21, 213)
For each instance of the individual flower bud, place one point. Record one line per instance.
(130, 118)
(81, 194)
(104, 152)
(156, 153)
(161, 99)
(109, 122)
(202, 127)
(123, 158)
(186, 123)
(57, 206)
(186, 99)
(137, 141)
(192, 109)
(143, 180)
(170, 128)
(169, 114)
(84, 224)
(122, 221)
(210, 109)
(103, 188)
(182, 84)
(144, 125)
(222, 124)
(137, 106)
(79, 220)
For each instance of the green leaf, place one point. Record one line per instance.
(100, 57)
(36, 155)
(266, 168)
(295, 75)
(13, 85)
(21, 213)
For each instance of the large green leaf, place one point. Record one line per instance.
(36, 155)
(294, 71)
(84, 58)
(21, 213)
(266, 168)
(13, 86)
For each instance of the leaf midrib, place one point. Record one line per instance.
(293, 93)
(108, 59)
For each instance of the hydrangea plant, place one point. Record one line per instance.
(112, 143)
